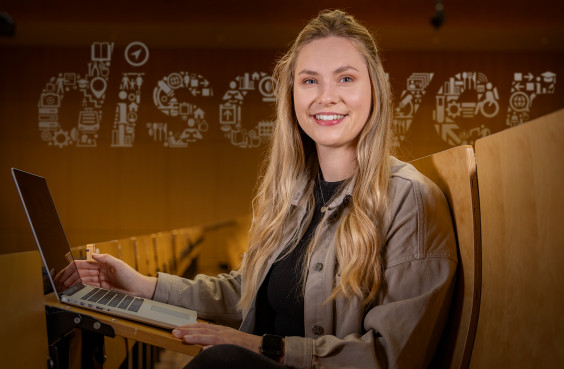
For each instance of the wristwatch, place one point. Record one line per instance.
(272, 346)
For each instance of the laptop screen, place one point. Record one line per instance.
(45, 223)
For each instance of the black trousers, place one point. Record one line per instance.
(232, 357)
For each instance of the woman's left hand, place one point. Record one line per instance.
(209, 335)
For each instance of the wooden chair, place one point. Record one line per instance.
(187, 242)
(23, 329)
(238, 241)
(164, 246)
(180, 242)
(109, 247)
(454, 172)
(147, 262)
(127, 247)
(521, 177)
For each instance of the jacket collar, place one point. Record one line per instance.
(335, 202)
(395, 165)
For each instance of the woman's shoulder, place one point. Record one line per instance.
(405, 177)
(418, 211)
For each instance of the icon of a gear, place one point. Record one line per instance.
(453, 109)
(61, 138)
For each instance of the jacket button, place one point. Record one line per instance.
(317, 330)
(318, 267)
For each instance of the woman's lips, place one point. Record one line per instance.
(328, 119)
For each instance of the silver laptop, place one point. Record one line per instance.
(54, 249)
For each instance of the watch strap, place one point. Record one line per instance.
(271, 346)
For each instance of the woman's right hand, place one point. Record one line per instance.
(109, 272)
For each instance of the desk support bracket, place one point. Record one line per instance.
(61, 322)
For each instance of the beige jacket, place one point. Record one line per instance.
(401, 330)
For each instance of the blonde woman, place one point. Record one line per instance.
(352, 253)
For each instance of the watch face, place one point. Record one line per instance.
(271, 345)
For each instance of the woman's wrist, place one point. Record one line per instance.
(149, 287)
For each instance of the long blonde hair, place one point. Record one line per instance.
(291, 164)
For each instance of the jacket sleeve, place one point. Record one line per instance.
(403, 327)
(214, 298)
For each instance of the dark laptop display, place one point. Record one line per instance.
(47, 228)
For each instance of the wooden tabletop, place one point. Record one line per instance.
(126, 328)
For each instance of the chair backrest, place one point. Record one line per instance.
(239, 241)
(23, 328)
(187, 242)
(454, 172)
(109, 247)
(164, 246)
(128, 251)
(147, 262)
(521, 177)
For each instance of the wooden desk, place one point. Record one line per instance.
(129, 329)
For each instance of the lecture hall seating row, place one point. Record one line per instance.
(169, 251)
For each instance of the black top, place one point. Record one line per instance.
(280, 302)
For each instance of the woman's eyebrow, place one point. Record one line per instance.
(308, 72)
(342, 69)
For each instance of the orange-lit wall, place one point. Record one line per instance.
(104, 191)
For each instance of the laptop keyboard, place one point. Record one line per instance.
(114, 299)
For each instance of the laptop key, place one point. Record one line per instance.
(135, 305)
(89, 294)
(125, 303)
(104, 300)
(98, 295)
(117, 299)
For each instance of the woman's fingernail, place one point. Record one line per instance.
(176, 333)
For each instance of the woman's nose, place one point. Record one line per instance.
(327, 95)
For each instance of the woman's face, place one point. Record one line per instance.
(332, 92)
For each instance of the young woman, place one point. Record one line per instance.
(352, 253)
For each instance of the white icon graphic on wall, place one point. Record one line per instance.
(136, 54)
(409, 103)
(230, 117)
(123, 132)
(524, 89)
(129, 97)
(166, 100)
(462, 100)
(465, 95)
(93, 87)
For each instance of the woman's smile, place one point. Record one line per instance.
(329, 119)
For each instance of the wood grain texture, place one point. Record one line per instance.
(521, 173)
(454, 172)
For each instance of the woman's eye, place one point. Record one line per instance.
(309, 81)
(346, 79)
